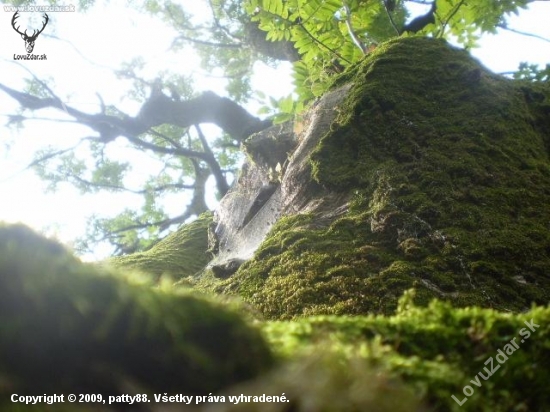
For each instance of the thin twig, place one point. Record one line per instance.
(330, 49)
(391, 20)
(352, 34)
(161, 188)
(208, 43)
(40, 160)
(536, 36)
(450, 16)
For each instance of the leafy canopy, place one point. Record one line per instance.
(331, 35)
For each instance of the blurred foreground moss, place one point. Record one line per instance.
(327, 381)
(70, 327)
(437, 351)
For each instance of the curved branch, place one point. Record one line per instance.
(158, 109)
(205, 108)
(221, 181)
(420, 22)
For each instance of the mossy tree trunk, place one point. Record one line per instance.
(443, 170)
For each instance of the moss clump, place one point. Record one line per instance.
(299, 269)
(69, 327)
(179, 255)
(437, 351)
(447, 165)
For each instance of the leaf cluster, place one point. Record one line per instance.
(330, 35)
(532, 72)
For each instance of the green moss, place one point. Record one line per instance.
(447, 165)
(436, 351)
(70, 327)
(327, 260)
(180, 255)
(447, 168)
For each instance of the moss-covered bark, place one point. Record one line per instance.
(181, 254)
(436, 351)
(448, 167)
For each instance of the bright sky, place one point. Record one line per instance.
(109, 35)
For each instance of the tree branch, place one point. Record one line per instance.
(352, 34)
(420, 22)
(125, 189)
(158, 109)
(164, 223)
(389, 6)
(221, 181)
(279, 50)
(208, 43)
(205, 108)
(536, 36)
(218, 24)
(450, 16)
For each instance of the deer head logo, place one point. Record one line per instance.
(29, 40)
